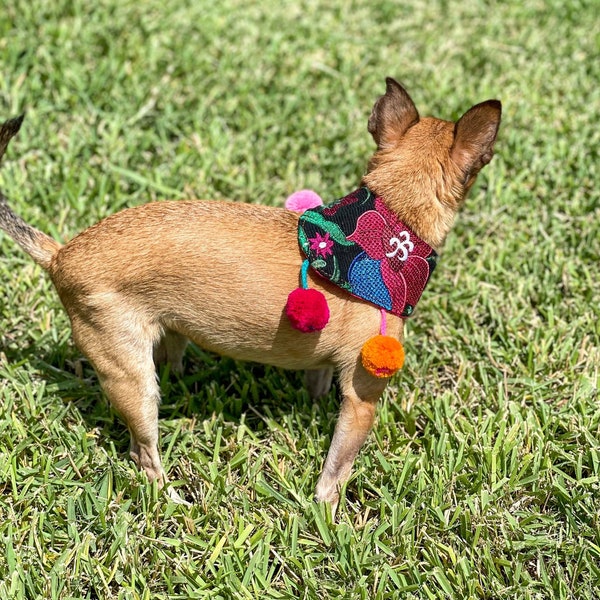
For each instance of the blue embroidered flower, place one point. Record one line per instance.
(366, 281)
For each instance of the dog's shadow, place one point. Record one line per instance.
(209, 385)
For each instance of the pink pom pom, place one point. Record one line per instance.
(307, 310)
(303, 200)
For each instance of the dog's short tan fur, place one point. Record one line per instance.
(142, 282)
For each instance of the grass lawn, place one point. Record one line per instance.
(482, 476)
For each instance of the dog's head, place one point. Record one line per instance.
(424, 167)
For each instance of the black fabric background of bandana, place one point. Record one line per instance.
(338, 262)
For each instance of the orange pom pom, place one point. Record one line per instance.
(382, 355)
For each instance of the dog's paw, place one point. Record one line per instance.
(328, 492)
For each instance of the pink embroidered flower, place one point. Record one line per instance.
(399, 253)
(321, 244)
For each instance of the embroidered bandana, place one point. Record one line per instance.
(358, 244)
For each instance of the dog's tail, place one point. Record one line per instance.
(38, 245)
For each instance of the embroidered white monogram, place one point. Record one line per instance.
(405, 246)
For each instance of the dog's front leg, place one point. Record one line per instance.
(360, 393)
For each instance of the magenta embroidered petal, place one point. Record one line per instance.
(325, 247)
(370, 233)
(420, 247)
(416, 270)
(396, 285)
(388, 215)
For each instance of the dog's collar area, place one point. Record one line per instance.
(358, 244)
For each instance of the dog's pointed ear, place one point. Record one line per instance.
(474, 136)
(393, 114)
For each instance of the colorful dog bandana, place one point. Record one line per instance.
(358, 244)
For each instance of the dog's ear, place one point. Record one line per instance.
(474, 136)
(392, 115)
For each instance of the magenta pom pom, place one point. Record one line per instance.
(307, 310)
(303, 200)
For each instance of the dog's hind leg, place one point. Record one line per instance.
(120, 349)
(170, 349)
(318, 382)
(360, 393)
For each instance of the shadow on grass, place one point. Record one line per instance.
(210, 384)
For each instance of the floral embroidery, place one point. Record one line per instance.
(361, 246)
(322, 245)
(390, 256)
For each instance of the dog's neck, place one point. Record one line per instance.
(428, 210)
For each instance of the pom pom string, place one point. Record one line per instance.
(304, 274)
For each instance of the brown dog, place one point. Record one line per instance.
(142, 282)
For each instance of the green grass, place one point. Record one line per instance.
(482, 476)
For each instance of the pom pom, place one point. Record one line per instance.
(382, 356)
(307, 310)
(303, 200)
